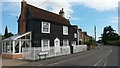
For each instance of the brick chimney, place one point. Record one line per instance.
(22, 23)
(61, 13)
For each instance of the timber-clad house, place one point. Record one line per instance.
(41, 31)
(44, 25)
(46, 29)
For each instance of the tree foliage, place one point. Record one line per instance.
(109, 35)
(6, 34)
(90, 42)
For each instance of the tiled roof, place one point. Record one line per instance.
(75, 27)
(46, 15)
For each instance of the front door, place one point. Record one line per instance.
(57, 45)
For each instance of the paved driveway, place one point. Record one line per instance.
(12, 62)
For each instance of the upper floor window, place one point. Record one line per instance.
(45, 27)
(65, 30)
(75, 35)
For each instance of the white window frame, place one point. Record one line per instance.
(8, 46)
(66, 43)
(48, 27)
(65, 30)
(75, 35)
(74, 42)
(42, 45)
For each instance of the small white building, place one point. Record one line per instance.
(12, 46)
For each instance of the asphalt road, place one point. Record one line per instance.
(102, 56)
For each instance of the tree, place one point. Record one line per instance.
(109, 35)
(6, 35)
(6, 32)
(90, 43)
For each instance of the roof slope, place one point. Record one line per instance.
(15, 37)
(46, 15)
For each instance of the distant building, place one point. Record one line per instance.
(83, 36)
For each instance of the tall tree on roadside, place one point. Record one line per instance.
(6, 32)
(6, 35)
(109, 35)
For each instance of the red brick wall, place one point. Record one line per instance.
(22, 22)
(12, 56)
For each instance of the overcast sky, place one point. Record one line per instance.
(84, 13)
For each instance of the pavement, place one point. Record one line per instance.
(12, 62)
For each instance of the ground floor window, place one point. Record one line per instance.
(73, 43)
(65, 42)
(45, 44)
(7, 47)
(16, 46)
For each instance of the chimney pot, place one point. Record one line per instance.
(61, 13)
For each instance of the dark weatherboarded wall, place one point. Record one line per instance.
(56, 31)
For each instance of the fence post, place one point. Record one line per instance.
(34, 53)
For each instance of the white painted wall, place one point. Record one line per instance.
(80, 48)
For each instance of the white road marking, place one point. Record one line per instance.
(69, 59)
(107, 57)
(76, 58)
(105, 63)
(110, 51)
(98, 62)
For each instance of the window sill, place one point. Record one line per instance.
(65, 33)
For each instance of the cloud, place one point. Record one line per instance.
(56, 5)
(10, 8)
(100, 5)
(46, 4)
(75, 18)
(114, 19)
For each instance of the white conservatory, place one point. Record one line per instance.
(12, 46)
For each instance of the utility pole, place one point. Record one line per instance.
(95, 33)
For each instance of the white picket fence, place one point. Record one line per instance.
(33, 53)
(79, 48)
